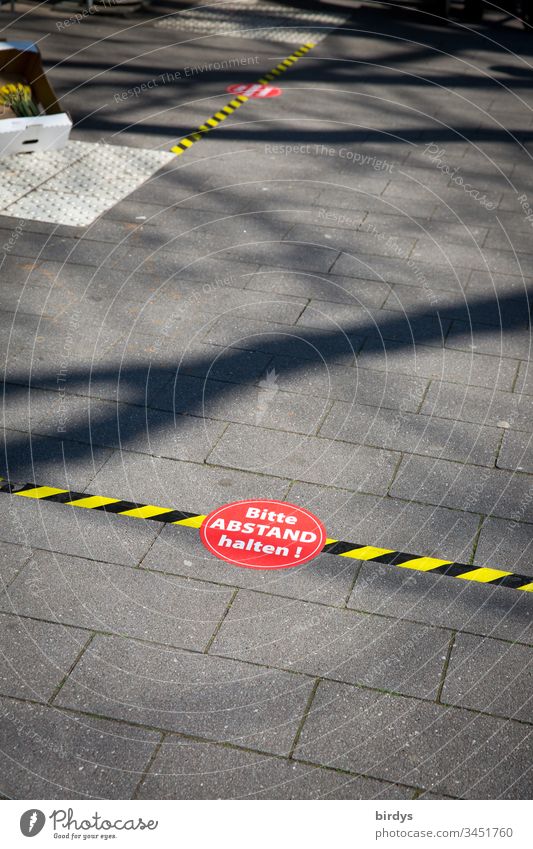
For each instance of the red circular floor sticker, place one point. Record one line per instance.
(254, 90)
(263, 534)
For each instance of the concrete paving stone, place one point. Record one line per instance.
(499, 261)
(500, 239)
(134, 212)
(292, 255)
(13, 557)
(490, 676)
(473, 404)
(254, 195)
(82, 533)
(338, 218)
(52, 462)
(412, 433)
(209, 697)
(305, 458)
(134, 428)
(389, 523)
(192, 487)
(36, 656)
(336, 644)
(185, 769)
(117, 599)
(213, 270)
(224, 234)
(381, 324)
(416, 743)
(487, 491)
(298, 342)
(477, 303)
(53, 754)
(326, 579)
(524, 381)
(348, 384)
(27, 244)
(237, 303)
(153, 221)
(509, 291)
(366, 293)
(515, 453)
(439, 364)
(211, 361)
(513, 341)
(341, 197)
(419, 227)
(443, 601)
(353, 241)
(25, 406)
(506, 541)
(413, 272)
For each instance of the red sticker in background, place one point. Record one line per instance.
(263, 534)
(255, 90)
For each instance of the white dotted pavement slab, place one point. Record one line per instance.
(74, 185)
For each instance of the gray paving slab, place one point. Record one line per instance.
(420, 227)
(439, 600)
(412, 433)
(326, 580)
(13, 557)
(185, 769)
(483, 406)
(490, 676)
(344, 383)
(54, 462)
(52, 754)
(354, 241)
(117, 599)
(514, 342)
(81, 533)
(515, 452)
(354, 648)
(327, 287)
(378, 324)
(325, 461)
(218, 699)
(506, 541)
(332, 344)
(490, 302)
(414, 742)
(100, 423)
(491, 491)
(390, 523)
(36, 656)
(183, 486)
(413, 272)
(446, 364)
(524, 381)
(263, 404)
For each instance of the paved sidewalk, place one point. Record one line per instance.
(324, 301)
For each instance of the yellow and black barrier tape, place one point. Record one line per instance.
(391, 557)
(216, 119)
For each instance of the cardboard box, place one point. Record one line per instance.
(20, 61)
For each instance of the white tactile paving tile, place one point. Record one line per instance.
(75, 185)
(256, 19)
